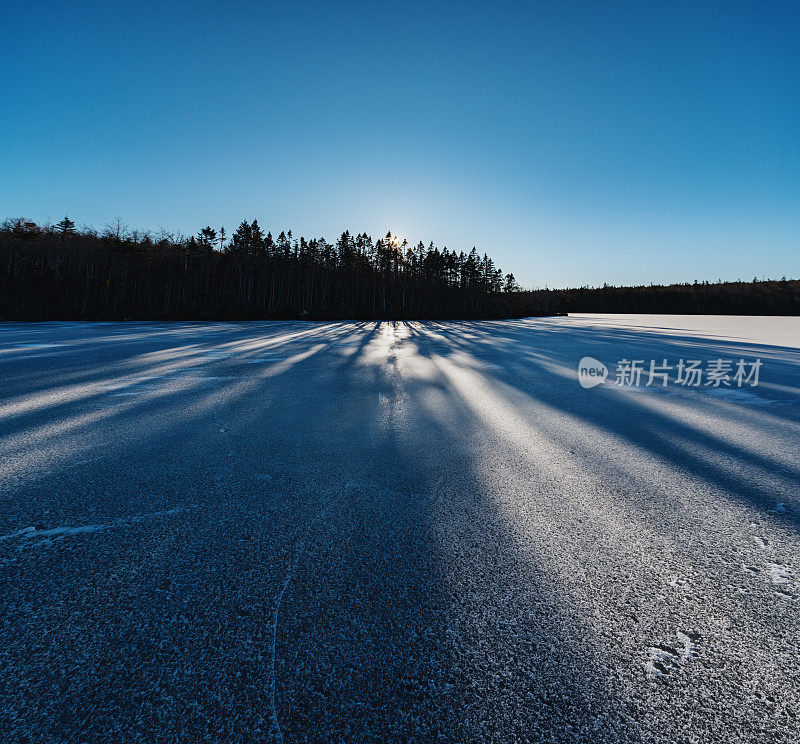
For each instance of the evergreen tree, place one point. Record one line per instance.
(66, 226)
(207, 237)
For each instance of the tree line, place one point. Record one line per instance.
(758, 297)
(60, 272)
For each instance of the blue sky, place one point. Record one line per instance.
(575, 142)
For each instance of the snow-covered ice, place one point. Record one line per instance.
(363, 531)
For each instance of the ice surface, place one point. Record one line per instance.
(397, 532)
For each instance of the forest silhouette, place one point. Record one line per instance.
(60, 272)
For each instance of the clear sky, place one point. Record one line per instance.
(575, 142)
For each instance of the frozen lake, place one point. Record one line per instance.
(362, 531)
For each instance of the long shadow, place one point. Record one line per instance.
(130, 365)
(190, 620)
(660, 436)
(321, 487)
(346, 574)
(398, 624)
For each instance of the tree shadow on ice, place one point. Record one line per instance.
(650, 421)
(413, 614)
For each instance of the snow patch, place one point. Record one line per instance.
(36, 536)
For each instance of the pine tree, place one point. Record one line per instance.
(207, 237)
(66, 226)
